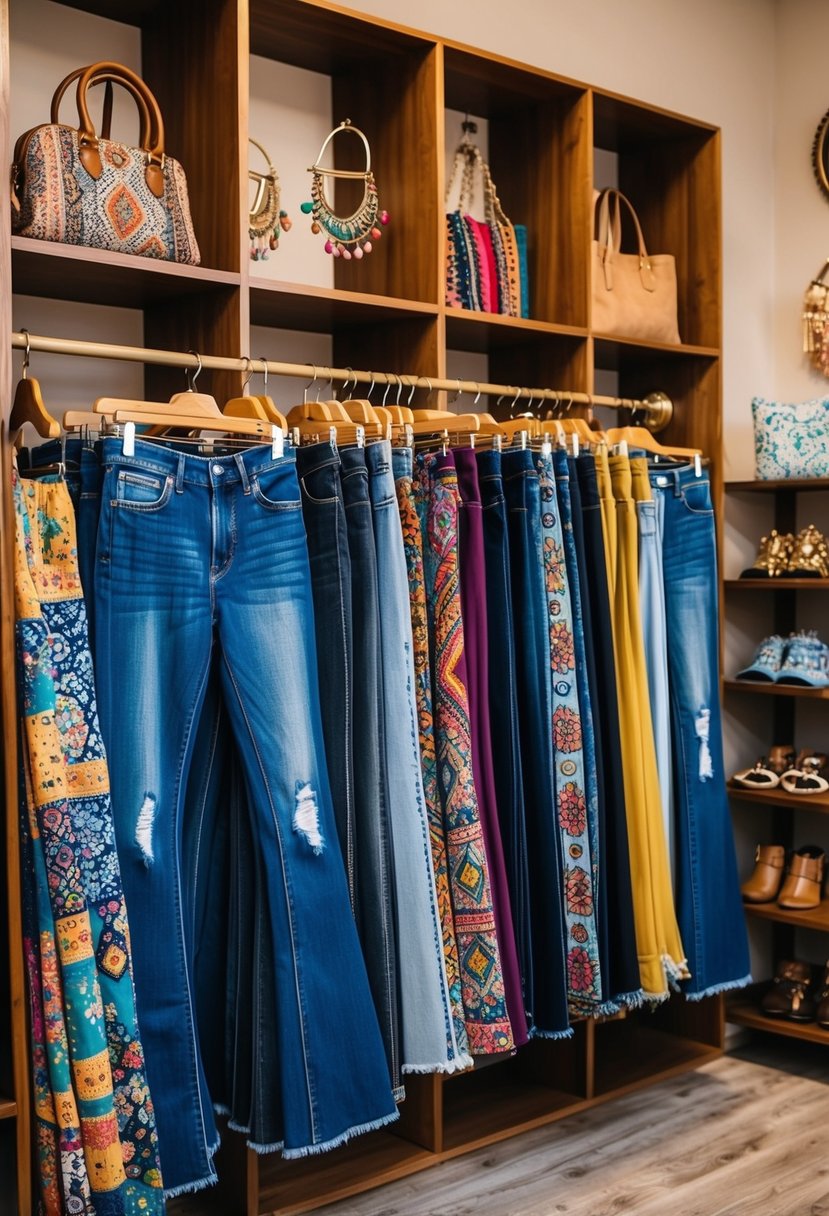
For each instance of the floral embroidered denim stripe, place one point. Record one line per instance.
(70, 795)
(487, 1023)
(413, 547)
(574, 804)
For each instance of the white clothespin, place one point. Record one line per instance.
(575, 444)
(546, 445)
(129, 439)
(277, 442)
(332, 436)
(361, 436)
(697, 466)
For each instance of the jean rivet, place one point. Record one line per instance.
(217, 469)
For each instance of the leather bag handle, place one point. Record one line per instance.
(88, 140)
(147, 133)
(610, 227)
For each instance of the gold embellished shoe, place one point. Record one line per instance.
(809, 556)
(773, 556)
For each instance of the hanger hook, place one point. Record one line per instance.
(399, 379)
(388, 386)
(411, 392)
(26, 354)
(477, 394)
(310, 384)
(457, 393)
(429, 382)
(192, 376)
(347, 382)
(265, 373)
(370, 388)
(513, 402)
(249, 372)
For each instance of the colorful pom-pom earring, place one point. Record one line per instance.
(352, 236)
(265, 218)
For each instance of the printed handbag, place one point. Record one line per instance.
(73, 187)
(791, 441)
(634, 294)
(473, 246)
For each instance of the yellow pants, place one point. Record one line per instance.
(658, 942)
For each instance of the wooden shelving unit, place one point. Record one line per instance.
(744, 1008)
(388, 312)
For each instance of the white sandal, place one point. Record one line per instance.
(805, 780)
(758, 778)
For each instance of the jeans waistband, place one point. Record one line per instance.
(468, 486)
(187, 469)
(401, 462)
(676, 479)
(316, 456)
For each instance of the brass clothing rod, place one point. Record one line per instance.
(656, 409)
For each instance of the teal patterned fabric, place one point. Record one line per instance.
(791, 441)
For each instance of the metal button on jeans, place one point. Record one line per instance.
(217, 469)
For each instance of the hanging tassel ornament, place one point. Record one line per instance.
(353, 236)
(265, 219)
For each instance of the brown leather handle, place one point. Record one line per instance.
(148, 136)
(88, 140)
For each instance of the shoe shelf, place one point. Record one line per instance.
(778, 487)
(815, 918)
(780, 797)
(777, 584)
(763, 689)
(744, 1010)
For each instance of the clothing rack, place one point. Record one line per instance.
(655, 410)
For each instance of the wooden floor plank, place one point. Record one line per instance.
(737, 1138)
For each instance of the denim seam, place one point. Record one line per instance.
(269, 503)
(318, 502)
(202, 801)
(215, 575)
(289, 902)
(349, 760)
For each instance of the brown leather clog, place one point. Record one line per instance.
(791, 994)
(821, 995)
(764, 884)
(803, 885)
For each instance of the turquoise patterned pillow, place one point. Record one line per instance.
(791, 441)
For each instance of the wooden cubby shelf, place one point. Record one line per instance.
(793, 486)
(744, 1010)
(780, 798)
(388, 312)
(763, 689)
(814, 918)
(777, 584)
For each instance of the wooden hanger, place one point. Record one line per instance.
(29, 405)
(437, 422)
(261, 406)
(639, 437)
(79, 420)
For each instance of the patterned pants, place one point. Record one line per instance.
(96, 1137)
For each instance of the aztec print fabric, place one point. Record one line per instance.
(413, 548)
(574, 806)
(88, 1001)
(117, 211)
(485, 1012)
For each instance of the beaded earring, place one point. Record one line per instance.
(265, 217)
(352, 236)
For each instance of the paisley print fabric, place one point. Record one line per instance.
(482, 984)
(413, 548)
(573, 801)
(88, 1000)
(61, 202)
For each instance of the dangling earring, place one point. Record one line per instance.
(351, 236)
(265, 218)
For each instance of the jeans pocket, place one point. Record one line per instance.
(274, 504)
(141, 491)
(696, 498)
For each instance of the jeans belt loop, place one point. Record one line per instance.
(243, 473)
(677, 486)
(180, 474)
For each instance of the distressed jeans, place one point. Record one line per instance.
(202, 560)
(709, 907)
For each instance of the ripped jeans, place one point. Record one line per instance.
(707, 893)
(202, 561)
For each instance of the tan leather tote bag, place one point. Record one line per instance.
(634, 294)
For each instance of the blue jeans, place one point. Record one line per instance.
(547, 998)
(655, 637)
(428, 1040)
(709, 907)
(194, 551)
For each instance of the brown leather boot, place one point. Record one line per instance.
(764, 884)
(804, 881)
(790, 995)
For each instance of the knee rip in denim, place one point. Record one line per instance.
(306, 816)
(144, 828)
(701, 725)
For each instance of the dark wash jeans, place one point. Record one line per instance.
(532, 650)
(617, 936)
(193, 549)
(323, 513)
(709, 906)
(503, 706)
(375, 908)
